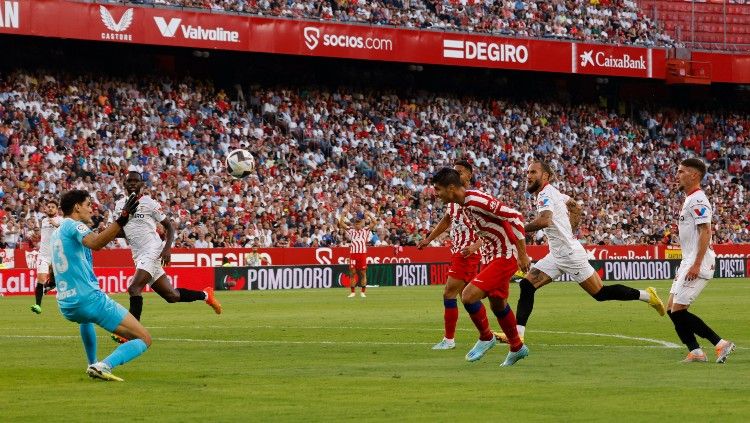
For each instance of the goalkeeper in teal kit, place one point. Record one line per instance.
(78, 294)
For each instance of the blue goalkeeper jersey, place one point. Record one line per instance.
(72, 264)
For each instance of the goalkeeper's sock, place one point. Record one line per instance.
(39, 293)
(125, 353)
(88, 336)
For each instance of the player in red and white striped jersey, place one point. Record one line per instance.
(358, 234)
(503, 252)
(465, 257)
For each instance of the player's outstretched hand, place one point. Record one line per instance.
(131, 205)
(423, 243)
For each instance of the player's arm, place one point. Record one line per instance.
(97, 241)
(543, 220)
(166, 253)
(473, 248)
(441, 227)
(373, 222)
(524, 262)
(704, 239)
(341, 224)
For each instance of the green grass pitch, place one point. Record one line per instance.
(319, 356)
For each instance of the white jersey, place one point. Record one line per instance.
(562, 243)
(140, 231)
(696, 210)
(49, 224)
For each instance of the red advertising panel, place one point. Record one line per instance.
(607, 59)
(111, 279)
(212, 30)
(404, 45)
(14, 17)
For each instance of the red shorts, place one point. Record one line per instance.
(494, 278)
(464, 268)
(358, 261)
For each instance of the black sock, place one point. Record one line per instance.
(683, 329)
(136, 306)
(39, 293)
(525, 302)
(700, 328)
(188, 295)
(617, 292)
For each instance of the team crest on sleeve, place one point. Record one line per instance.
(700, 212)
(82, 228)
(543, 202)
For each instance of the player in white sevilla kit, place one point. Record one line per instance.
(150, 253)
(49, 224)
(358, 235)
(503, 252)
(465, 257)
(566, 254)
(696, 267)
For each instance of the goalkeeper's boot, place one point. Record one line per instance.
(102, 371)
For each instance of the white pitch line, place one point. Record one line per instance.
(665, 344)
(290, 342)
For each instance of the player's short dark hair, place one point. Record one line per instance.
(71, 198)
(446, 177)
(466, 164)
(140, 175)
(696, 164)
(546, 168)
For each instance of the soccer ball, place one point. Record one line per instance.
(240, 163)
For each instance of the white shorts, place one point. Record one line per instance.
(576, 266)
(685, 292)
(42, 265)
(151, 263)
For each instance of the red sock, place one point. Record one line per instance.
(451, 318)
(363, 289)
(353, 287)
(508, 324)
(479, 317)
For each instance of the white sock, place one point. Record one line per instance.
(644, 296)
(697, 351)
(520, 329)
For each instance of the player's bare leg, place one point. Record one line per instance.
(451, 290)
(183, 295)
(353, 281)
(618, 292)
(362, 278)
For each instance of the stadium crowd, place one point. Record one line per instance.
(611, 21)
(320, 153)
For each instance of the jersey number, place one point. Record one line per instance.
(59, 261)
